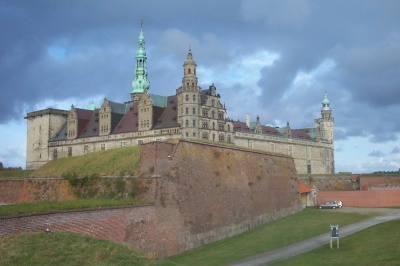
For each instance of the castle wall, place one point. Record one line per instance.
(308, 155)
(210, 192)
(33, 190)
(384, 198)
(201, 193)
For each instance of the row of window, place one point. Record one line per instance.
(104, 129)
(71, 133)
(144, 110)
(187, 96)
(145, 123)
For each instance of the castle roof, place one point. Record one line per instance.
(129, 122)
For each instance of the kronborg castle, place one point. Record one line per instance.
(192, 112)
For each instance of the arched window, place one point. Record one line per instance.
(205, 135)
(189, 70)
(221, 137)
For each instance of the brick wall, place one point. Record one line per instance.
(201, 193)
(388, 198)
(134, 225)
(210, 192)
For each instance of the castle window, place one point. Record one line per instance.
(213, 114)
(213, 136)
(194, 96)
(103, 146)
(194, 123)
(55, 154)
(187, 134)
(221, 127)
(187, 123)
(194, 111)
(213, 125)
(250, 144)
(189, 70)
(220, 115)
(205, 135)
(308, 169)
(221, 137)
(69, 151)
(187, 111)
(205, 125)
(85, 149)
(140, 142)
(187, 97)
(229, 127)
(228, 139)
(194, 134)
(205, 113)
(212, 102)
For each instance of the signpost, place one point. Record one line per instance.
(335, 234)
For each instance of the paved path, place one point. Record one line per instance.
(315, 242)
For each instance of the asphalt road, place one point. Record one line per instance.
(315, 242)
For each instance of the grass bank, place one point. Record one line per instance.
(376, 245)
(120, 162)
(292, 229)
(13, 174)
(65, 248)
(53, 206)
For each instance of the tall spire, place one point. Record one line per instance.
(189, 71)
(140, 83)
(325, 102)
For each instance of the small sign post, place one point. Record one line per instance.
(335, 234)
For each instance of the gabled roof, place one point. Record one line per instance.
(169, 116)
(118, 108)
(91, 128)
(241, 126)
(129, 122)
(305, 189)
(61, 134)
(159, 101)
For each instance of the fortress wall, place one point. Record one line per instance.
(210, 192)
(33, 190)
(331, 182)
(134, 225)
(384, 198)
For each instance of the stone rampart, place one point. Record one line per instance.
(201, 193)
(210, 192)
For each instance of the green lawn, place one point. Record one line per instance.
(13, 174)
(121, 161)
(294, 228)
(65, 248)
(379, 243)
(376, 245)
(51, 206)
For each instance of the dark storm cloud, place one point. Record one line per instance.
(97, 43)
(362, 39)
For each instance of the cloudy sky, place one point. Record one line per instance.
(274, 59)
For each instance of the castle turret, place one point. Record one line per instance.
(189, 99)
(140, 84)
(325, 123)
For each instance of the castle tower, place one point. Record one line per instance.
(325, 123)
(189, 99)
(140, 84)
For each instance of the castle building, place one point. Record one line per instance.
(191, 113)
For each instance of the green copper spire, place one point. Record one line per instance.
(140, 84)
(325, 101)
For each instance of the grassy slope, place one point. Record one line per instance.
(65, 248)
(52, 206)
(121, 161)
(13, 174)
(294, 228)
(377, 245)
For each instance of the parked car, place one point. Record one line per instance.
(339, 202)
(329, 205)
